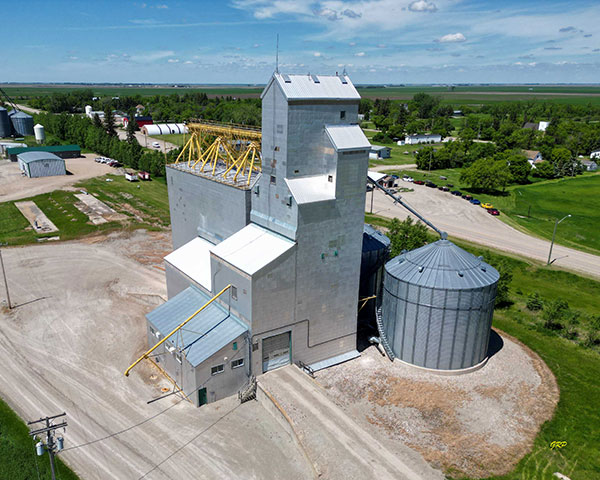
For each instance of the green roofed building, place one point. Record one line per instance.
(62, 151)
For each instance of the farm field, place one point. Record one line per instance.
(535, 207)
(145, 207)
(460, 95)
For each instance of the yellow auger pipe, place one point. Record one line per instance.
(145, 355)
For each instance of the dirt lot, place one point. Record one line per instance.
(464, 220)
(14, 186)
(479, 423)
(78, 324)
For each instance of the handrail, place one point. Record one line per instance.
(145, 355)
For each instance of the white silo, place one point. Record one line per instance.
(40, 135)
(88, 110)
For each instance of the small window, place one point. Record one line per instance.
(255, 347)
(235, 345)
(237, 363)
(217, 369)
(234, 292)
(178, 357)
(276, 149)
(152, 331)
(273, 180)
(296, 171)
(330, 178)
(343, 114)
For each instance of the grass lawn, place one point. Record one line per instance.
(535, 207)
(146, 207)
(577, 417)
(398, 156)
(175, 138)
(18, 460)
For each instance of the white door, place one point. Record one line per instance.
(276, 351)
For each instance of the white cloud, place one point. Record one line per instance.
(188, 62)
(152, 56)
(352, 44)
(382, 45)
(422, 6)
(317, 54)
(360, 54)
(144, 21)
(452, 38)
(173, 60)
(162, 7)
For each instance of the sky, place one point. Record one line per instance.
(234, 41)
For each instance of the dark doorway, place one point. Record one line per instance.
(202, 397)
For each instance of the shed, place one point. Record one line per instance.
(62, 151)
(164, 129)
(379, 151)
(41, 164)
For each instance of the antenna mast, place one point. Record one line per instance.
(277, 56)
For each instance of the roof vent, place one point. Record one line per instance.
(315, 79)
(460, 274)
(421, 268)
(286, 78)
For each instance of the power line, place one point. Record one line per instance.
(101, 439)
(190, 441)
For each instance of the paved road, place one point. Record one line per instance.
(463, 220)
(337, 445)
(384, 168)
(79, 324)
(146, 141)
(25, 108)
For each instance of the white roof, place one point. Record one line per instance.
(252, 248)
(312, 189)
(347, 137)
(304, 87)
(375, 176)
(379, 147)
(193, 259)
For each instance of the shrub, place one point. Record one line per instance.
(554, 314)
(534, 302)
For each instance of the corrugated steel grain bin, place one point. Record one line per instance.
(437, 308)
(4, 123)
(22, 123)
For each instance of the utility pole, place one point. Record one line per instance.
(4, 275)
(51, 446)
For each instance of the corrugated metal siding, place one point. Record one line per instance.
(4, 123)
(22, 123)
(206, 333)
(41, 164)
(303, 87)
(435, 318)
(347, 137)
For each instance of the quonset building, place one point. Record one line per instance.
(289, 241)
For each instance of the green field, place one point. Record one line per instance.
(18, 460)
(145, 207)
(535, 208)
(463, 94)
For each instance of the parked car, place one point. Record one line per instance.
(430, 185)
(369, 187)
(450, 185)
(458, 193)
(395, 176)
(132, 177)
(467, 197)
(156, 144)
(487, 205)
(143, 175)
(493, 211)
(419, 182)
(443, 178)
(406, 178)
(445, 189)
(441, 187)
(474, 201)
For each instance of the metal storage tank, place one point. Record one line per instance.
(21, 122)
(375, 252)
(40, 135)
(4, 123)
(437, 307)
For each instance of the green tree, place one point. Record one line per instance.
(543, 170)
(109, 121)
(519, 168)
(406, 235)
(562, 159)
(96, 121)
(486, 175)
(132, 126)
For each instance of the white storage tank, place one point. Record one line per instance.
(40, 134)
(437, 307)
(88, 110)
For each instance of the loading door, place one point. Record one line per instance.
(276, 351)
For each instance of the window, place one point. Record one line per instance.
(237, 363)
(330, 178)
(276, 149)
(152, 331)
(234, 292)
(178, 357)
(273, 180)
(343, 114)
(217, 369)
(235, 345)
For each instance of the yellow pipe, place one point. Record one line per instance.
(145, 355)
(251, 166)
